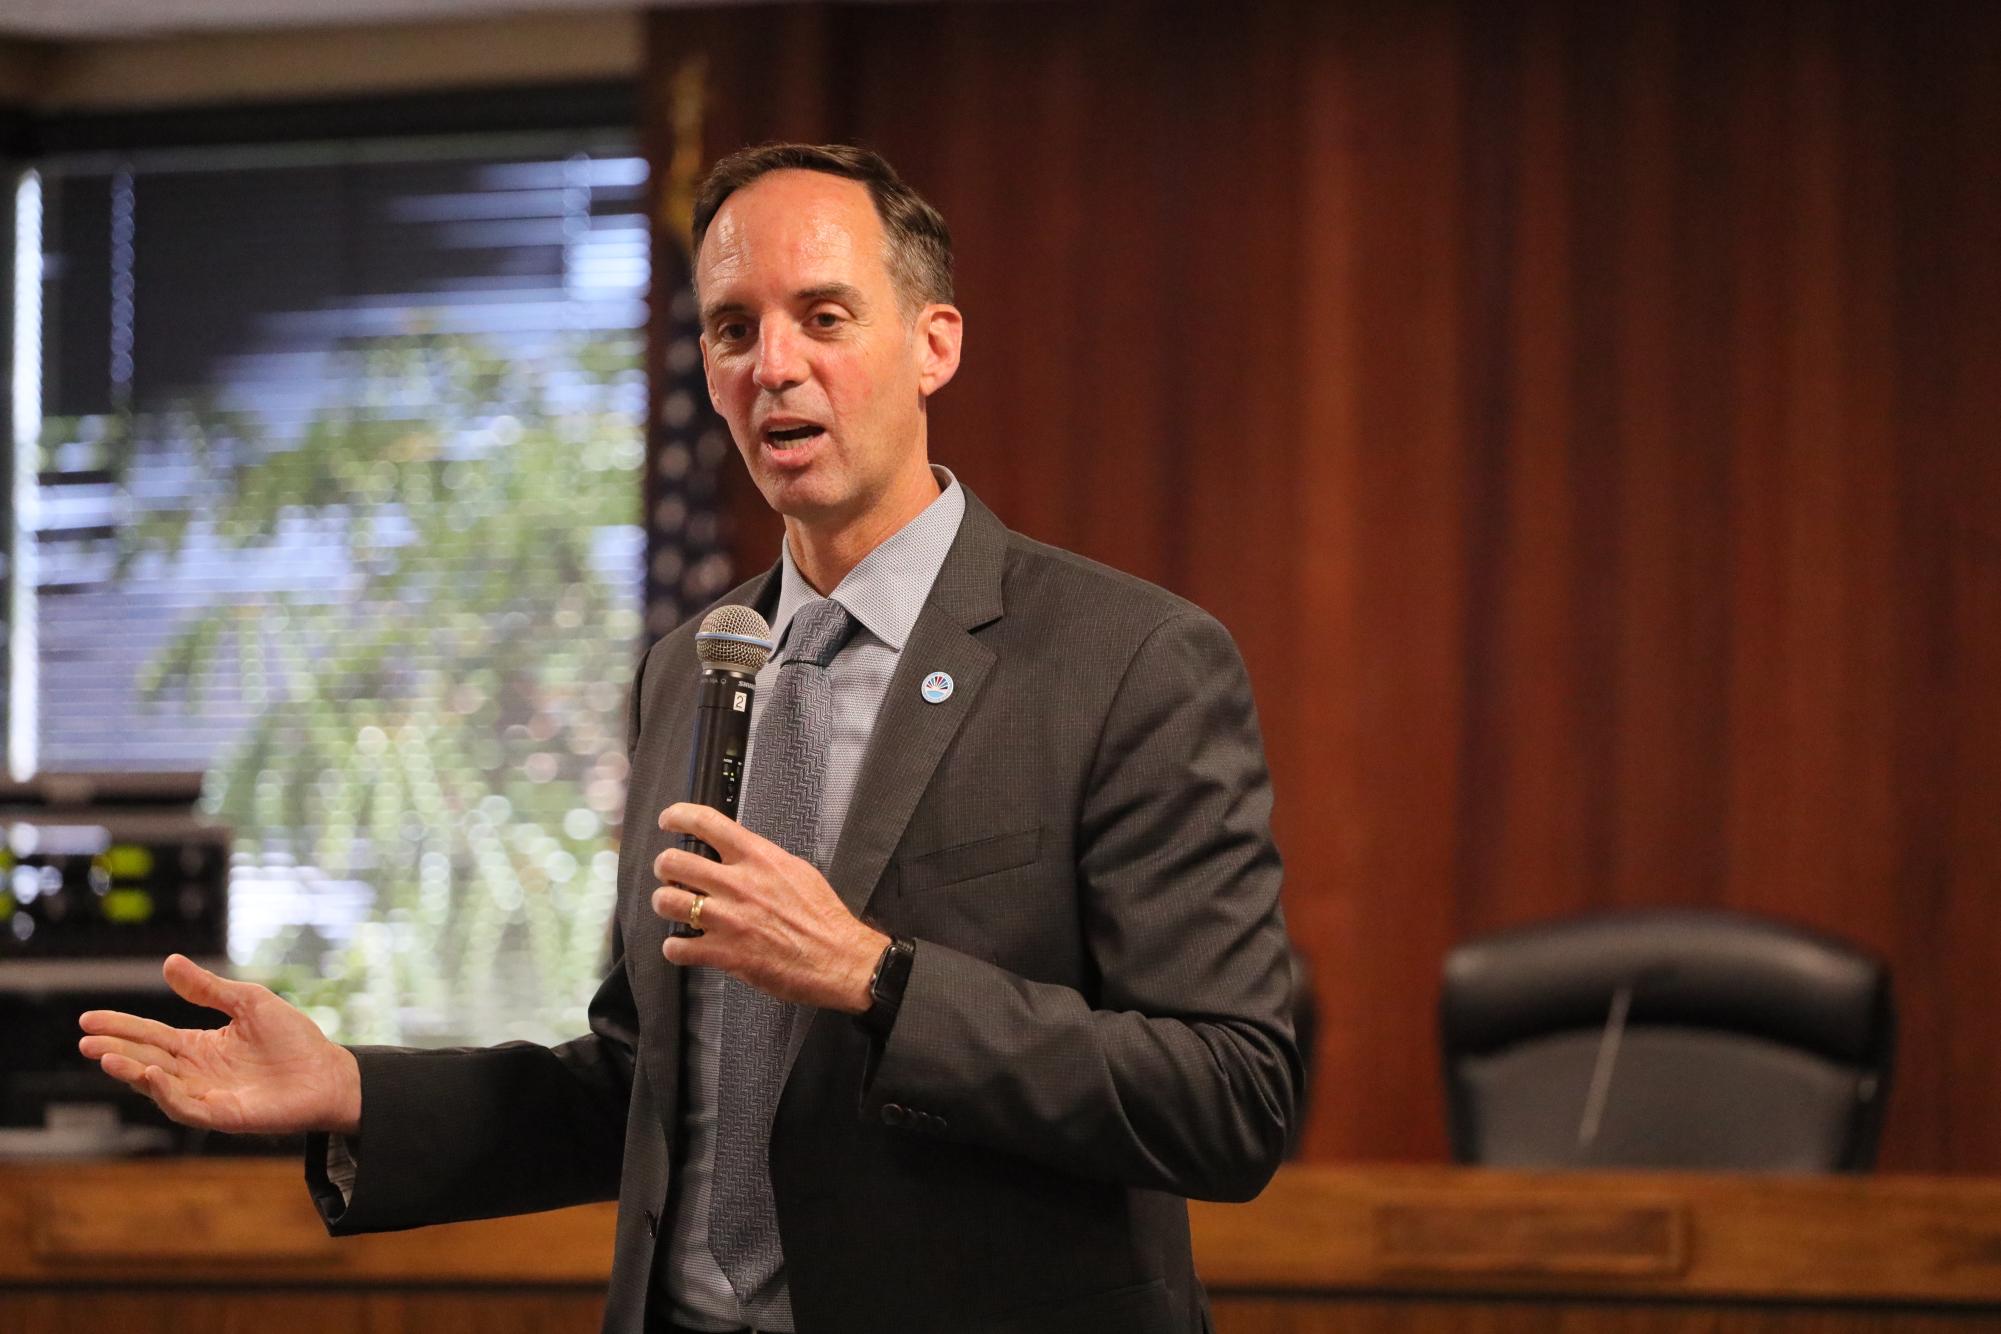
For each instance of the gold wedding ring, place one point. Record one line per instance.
(695, 913)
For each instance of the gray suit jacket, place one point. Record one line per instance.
(1097, 1024)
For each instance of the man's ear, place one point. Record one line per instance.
(940, 330)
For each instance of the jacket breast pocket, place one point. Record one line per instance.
(987, 855)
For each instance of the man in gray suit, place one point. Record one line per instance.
(990, 977)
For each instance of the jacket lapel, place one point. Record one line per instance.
(910, 734)
(910, 738)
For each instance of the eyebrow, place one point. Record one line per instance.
(845, 293)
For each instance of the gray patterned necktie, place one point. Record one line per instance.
(781, 801)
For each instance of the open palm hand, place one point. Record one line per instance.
(268, 1071)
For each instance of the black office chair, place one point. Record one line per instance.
(1675, 1038)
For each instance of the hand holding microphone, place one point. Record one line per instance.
(774, 921)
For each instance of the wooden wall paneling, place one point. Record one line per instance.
(1232, 319)
(1970, 344)
(1618, 104)
(1581, 414)
(1668, 556)
(1130, 307)
(1766, 689)
(1490, 169)
(1930, 320)
(1038, 192)
(1519, 841)
(1321, 803)
(1858, 427)
(1410, 535)
(1794, 763)
(1920, 779)
(1800, 542)
(969, 82)
(1865, 538)
(1820, 539)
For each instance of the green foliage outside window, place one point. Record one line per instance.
(450, 728)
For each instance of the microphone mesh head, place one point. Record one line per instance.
(733, 654)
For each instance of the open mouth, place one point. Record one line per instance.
(786, 437)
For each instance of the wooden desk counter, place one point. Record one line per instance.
(233, 1246)
(1913, 1240)
(249, 1221)
(1412, 1250)
(229, 1244)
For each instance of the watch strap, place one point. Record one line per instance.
(886, 986)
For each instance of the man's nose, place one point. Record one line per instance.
(780, 359)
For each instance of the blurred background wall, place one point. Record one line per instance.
(1583, 415)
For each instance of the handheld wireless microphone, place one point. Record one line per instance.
(734, 642)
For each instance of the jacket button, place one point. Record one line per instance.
(938, 1124)
(892, 1115)
(652, 1223)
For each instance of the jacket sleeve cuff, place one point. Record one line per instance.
(331, 1168)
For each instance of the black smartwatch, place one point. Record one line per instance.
(886, 986)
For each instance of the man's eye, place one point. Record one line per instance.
(824, 319)
(733, 332)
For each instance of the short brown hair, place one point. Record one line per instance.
(920, 245)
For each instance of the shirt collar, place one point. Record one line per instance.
(886, 591)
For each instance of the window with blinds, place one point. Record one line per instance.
(332, 495)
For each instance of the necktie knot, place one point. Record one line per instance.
(819, 629)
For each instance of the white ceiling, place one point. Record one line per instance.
(85, 20)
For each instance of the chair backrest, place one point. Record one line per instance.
(1675, 1038)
